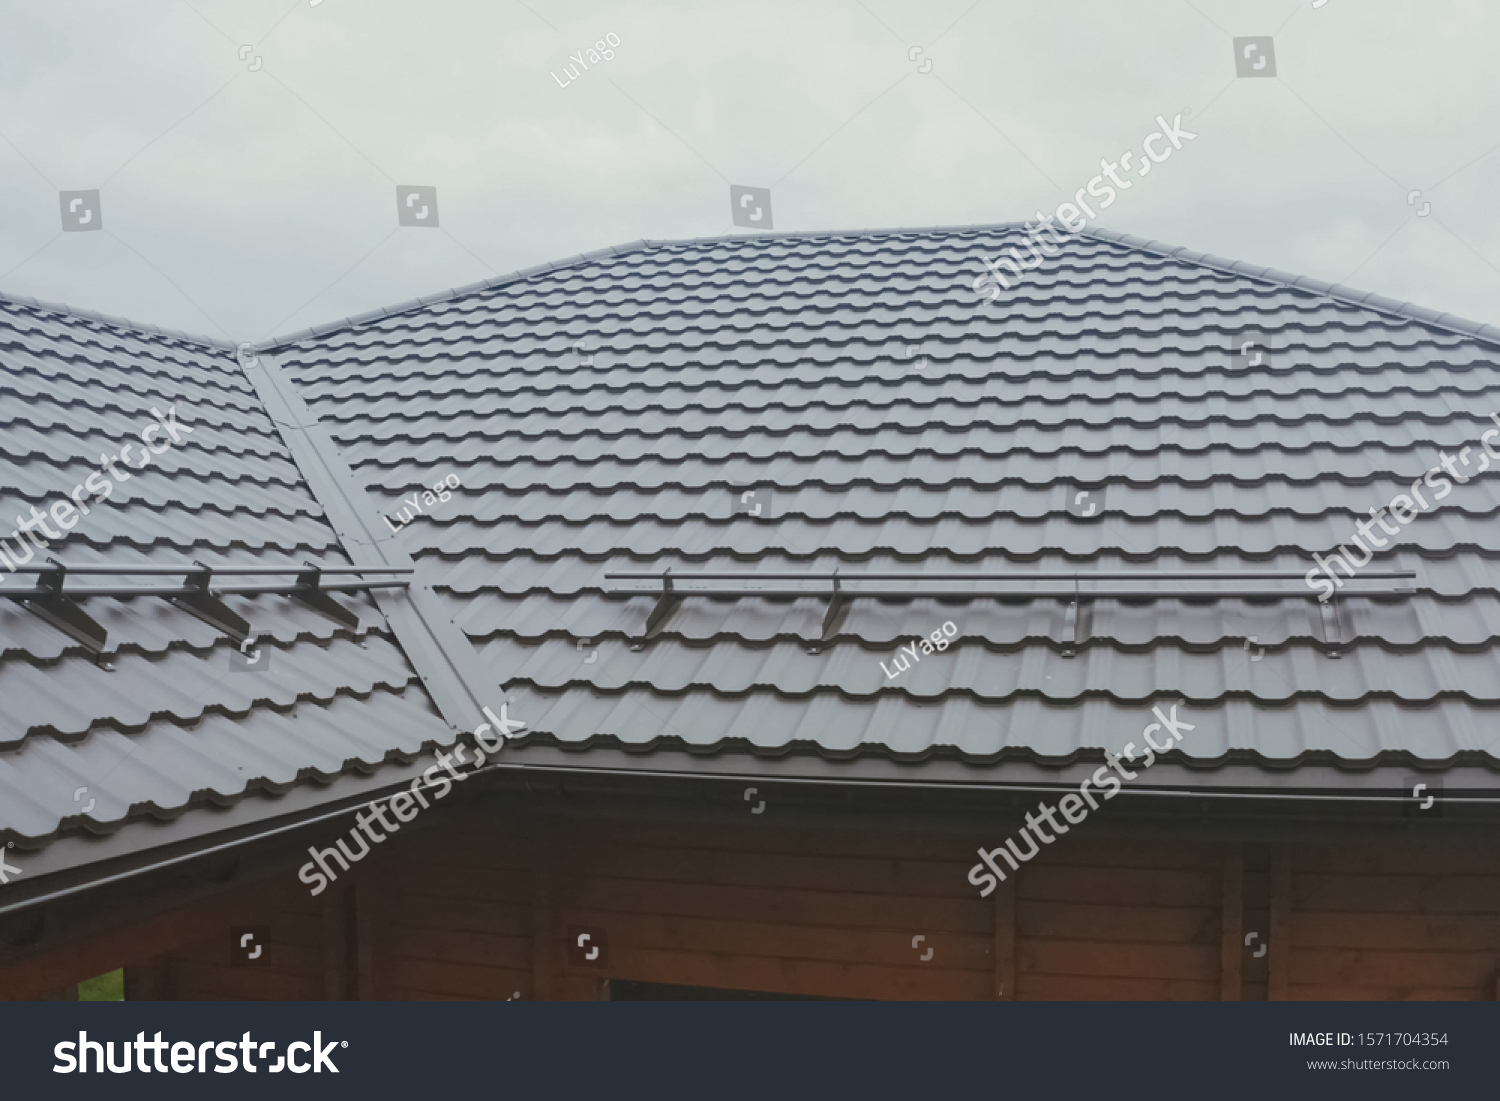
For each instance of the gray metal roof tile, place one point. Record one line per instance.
(781, 359)
(228, 493)
(1109, 364)
(169, 769)
(1027, 728)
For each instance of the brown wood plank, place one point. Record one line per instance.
(1122, 886)
(1004, 946)
(403, 994)
(1438, 894)
(726, 936)
(1430, 932)
(1300, 993)
(510, 918)
(784, 907)
(1084, 852)
(1196, 962)
(465, 979)
(449, 881)
(763, 836)
(148, 982)
(498, 851)
(370, 934)
(1097, 921)
(860, 874)
(580, 988)
(1280, 940)
(815, 977)
(546, 931)
(1232, 923)
(234, 983)
(336, 947)
(453, 946)
(1400, 858)
(1348, 967)
(1105, 988)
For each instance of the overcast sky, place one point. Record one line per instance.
(242, 201)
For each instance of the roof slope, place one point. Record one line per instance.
(609, 413)
(159, 724)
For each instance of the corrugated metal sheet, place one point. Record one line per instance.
(607, 413)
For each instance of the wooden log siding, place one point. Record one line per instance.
(784, 911)
(459, 910)
(479, 910)
(303, 955)
(1395, 922)
(1107, 920)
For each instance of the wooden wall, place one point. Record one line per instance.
(293, 962)
(767, 909)
(1105, 921)
(480, 909)
(454, 914)
(1395, 922)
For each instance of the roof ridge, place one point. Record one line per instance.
(421, 301)
(1364, 299)
(116, 322)
(644, 244)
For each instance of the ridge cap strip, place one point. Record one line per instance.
(438, 650)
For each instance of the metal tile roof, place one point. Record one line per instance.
(605, 413)
(159, 725)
